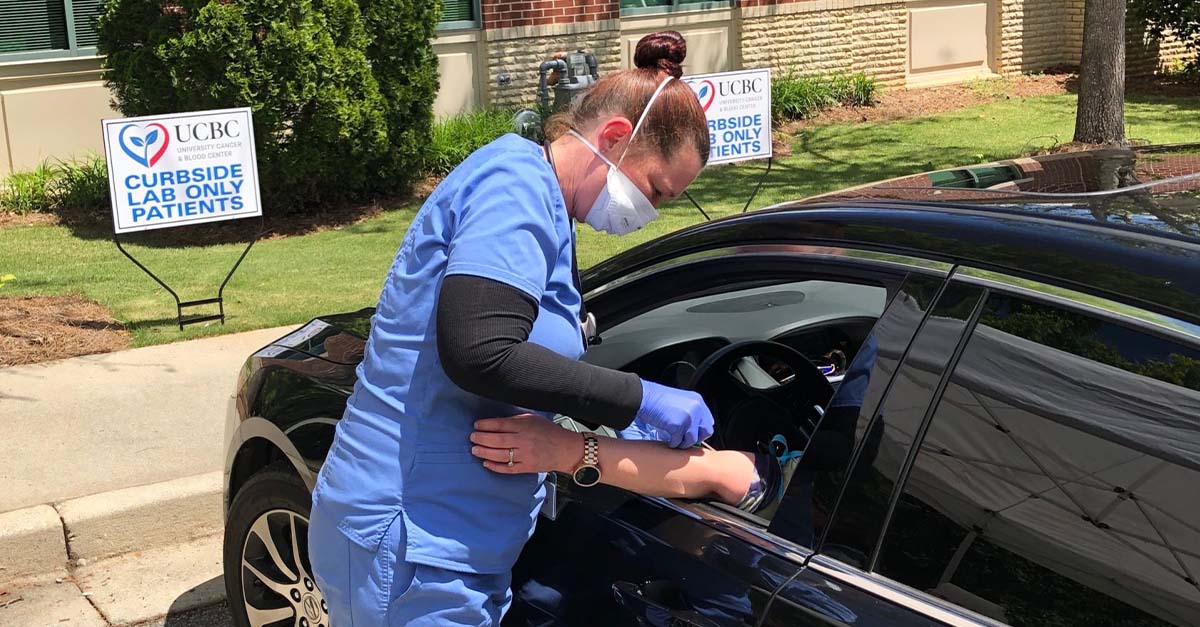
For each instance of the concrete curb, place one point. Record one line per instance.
(31, 543)
(146, 517)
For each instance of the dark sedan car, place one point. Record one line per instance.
(1014, 436)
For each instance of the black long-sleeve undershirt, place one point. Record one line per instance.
(483, 342)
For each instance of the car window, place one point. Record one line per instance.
(826, 319)
(814, 316)
(814, 486)
(1056, 484)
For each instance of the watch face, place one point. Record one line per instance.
(587, 476)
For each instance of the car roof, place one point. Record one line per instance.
(1149, 188)
(1150, 269)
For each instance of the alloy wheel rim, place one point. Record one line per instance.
(278, 588)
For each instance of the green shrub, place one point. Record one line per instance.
(77, 184)
(341, 90)
(856, 90)
(82, 184)
(458, 136)
(796, 97)
(28, 192)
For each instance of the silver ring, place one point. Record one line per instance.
(510, 457)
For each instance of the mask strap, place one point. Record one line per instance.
(653, 97)
(658, 90)
(587, 143)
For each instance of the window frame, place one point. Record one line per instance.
(993, 283)
(677, 7)
(458, 25)
(72, 51)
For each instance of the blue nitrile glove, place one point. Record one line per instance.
(679, 416)
(638, 430)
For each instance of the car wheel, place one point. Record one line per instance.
(268, 577)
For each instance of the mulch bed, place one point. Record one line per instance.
(45, 328)
(901, 104)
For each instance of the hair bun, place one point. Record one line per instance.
(662, 51)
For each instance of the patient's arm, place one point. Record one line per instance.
(645, 467)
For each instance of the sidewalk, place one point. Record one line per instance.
(112, 466)
(103, 422)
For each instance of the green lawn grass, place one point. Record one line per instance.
(288, 280)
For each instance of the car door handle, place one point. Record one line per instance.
(649, 611)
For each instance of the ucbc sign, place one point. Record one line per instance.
(737, 108)
(207, 131)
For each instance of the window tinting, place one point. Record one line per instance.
(868, 489)
(1057, 482)
(813, 489)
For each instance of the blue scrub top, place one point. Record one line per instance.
(402, 447)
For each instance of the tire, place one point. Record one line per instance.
(268, 588)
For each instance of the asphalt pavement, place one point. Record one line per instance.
(213, 616)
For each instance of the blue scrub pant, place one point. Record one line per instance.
(378, 589)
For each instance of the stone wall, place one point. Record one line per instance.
(811, 38)
(516, 53)
(1145, 55)
(1037, 34)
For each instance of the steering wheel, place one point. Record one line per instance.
(746, 415)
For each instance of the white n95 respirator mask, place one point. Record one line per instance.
(621, 207)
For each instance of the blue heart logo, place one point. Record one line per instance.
(139, 147)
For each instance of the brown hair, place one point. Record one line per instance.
(676, 116)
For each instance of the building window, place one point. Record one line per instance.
(459, 14)
(48, 28)
(642, 7)
(38, 29)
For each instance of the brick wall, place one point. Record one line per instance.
(511, 13)
(815, 39)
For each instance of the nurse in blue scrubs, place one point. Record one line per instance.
(479, 317)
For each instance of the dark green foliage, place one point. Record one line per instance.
(795, 97)
(402, 59)
(457, 137)
(342, 90)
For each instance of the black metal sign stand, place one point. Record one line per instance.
(180, 305)
(770, 161)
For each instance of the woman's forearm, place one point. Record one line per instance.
(536, 444)
(654, 469)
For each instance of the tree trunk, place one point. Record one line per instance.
(1100, 118)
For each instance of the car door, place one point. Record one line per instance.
(1053, 482)
(837, 498)
(611, 557)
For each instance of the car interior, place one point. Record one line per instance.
(766, 356)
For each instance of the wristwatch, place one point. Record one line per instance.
(587, 474)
